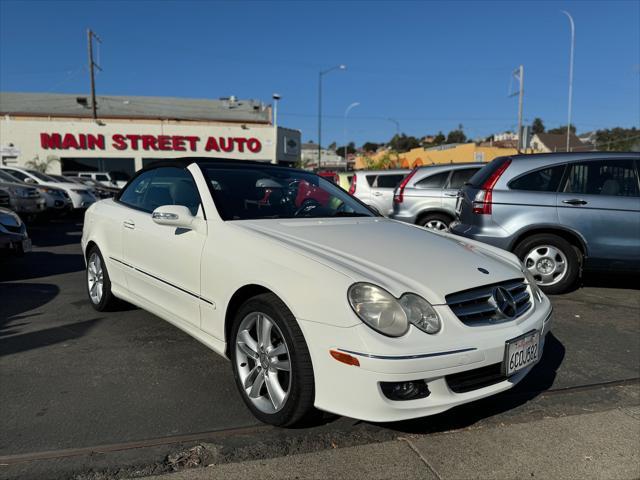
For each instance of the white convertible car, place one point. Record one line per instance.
(315, 299)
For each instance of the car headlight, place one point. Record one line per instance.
(420, 313)
(384, 313)
(51, 191)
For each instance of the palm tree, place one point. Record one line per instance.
(42, 165)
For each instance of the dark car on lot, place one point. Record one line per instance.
(559, 213)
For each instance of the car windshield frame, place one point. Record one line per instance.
(42, 176)
(354, 207)
(7, 177)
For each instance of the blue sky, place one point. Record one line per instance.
(429, 65)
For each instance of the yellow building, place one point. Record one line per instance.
(455, 153)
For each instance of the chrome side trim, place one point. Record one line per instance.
(407, 357)
(195, 295)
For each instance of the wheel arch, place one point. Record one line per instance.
(90, 245)
(240, 296)
(571, 236)
(430, 211)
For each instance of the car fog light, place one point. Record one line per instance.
(405, 390)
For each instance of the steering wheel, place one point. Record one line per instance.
(308, 205)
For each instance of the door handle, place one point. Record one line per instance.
(449, 194)
(575, 201)
(129, 224)
(377, 194)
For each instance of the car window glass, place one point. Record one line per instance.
(371, 179)
(389, 181)
(603, 177)
(135, 192)
(172, 186)
(18, 175)
(545, 180)
(272, 192)
(433, 181)
(460, 177)
(102, 178)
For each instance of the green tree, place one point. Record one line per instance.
(562, 130)
(403, 143)
(370, 146)
(457, 136)
(618, 139)
(42, 165)
(351, 148)
(537, 126)
(388, 160)
(439, 139)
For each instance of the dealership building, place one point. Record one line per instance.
(131, 132)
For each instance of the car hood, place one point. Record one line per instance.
(397, 256)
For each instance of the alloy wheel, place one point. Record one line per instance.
(436, 224)
(547, 264)
(95, 278)
(263, 362)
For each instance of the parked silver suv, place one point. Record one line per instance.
(559, 213)
(427, 196)
(375, 187)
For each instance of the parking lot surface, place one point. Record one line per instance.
(73, 379)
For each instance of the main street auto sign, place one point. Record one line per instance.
(168, 143)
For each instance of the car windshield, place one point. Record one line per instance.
(43, 177)
(5, 177)
(255, 192)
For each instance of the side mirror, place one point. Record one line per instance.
(175, 216)
(29, 180)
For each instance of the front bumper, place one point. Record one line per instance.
(30, 205)
(356, 392)
(81, 200)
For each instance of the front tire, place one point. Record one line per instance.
(98, 282)
(271, 361)
(553, 262)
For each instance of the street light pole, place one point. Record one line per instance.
(573, 43)
(397, 123)
(276, 97)
(320, 75)
(344, 127)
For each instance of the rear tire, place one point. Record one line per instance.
(435, 221)
(98, 282)
(289, 374)
(553, 261)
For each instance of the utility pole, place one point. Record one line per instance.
(92, 64)
(519, 75)
(573, 45)
(320, 75)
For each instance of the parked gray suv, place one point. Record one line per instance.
(427, 196)
(559, 213)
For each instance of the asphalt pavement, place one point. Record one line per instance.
(74, 381)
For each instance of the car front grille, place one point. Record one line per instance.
(478, 306)
(4, 200)
(474, 379)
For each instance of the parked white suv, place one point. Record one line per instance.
(375, 187)
(80, 197)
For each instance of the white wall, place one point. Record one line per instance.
(22, 137)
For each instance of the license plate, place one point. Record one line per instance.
(521, 352)
(26, 245)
